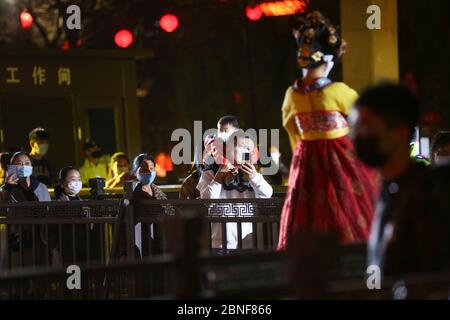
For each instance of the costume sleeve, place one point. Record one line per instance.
(345, 97)
(288, 111)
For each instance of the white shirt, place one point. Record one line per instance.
(211, 189)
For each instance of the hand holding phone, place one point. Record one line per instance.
(11, 175)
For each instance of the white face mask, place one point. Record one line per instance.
(74, 188)
(442, 161)
(42, 149)
(224, 136)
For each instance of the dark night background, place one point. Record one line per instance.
(217, 62)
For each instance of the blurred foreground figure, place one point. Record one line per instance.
(411, 229)
(330, 191)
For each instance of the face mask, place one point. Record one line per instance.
(368, 150)
(96, 154)
(24, 172)
(119, 170)
(147, 178)
(442, 161)
(224, 136)
(74, 187)
(42, 149)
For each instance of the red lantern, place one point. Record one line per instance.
(26, 20)
(169, 22)
(123, 38)
(253, 13)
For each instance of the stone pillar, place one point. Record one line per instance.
(372, 55)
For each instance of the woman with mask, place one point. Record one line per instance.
(145, 172)
(119, 170)
(22, 186)
(69, 185)
(144, 169)
(68, 189)
(330, 191)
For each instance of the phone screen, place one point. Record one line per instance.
(11, 170)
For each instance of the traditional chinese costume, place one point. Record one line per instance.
(330, 190)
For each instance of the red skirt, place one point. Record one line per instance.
(330, 191)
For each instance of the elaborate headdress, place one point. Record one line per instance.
(318, 41)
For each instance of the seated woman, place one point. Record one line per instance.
(21, 186)
(68, 189)
(238, 179)
(119, 170)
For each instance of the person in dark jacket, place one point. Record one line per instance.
(410, 230)
(22, 186)
(67, 190)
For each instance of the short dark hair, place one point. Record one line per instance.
(39, 134)
(440, 140)
(393, 103)
(139, 159)
(231, 120)
(89, 144)
(62, 175)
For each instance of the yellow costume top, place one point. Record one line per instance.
(319, 114)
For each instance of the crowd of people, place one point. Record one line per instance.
(352, 173)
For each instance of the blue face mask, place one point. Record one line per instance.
(24, 172)
(147, 178)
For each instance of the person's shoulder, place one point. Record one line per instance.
(338, 88)
(158, 193)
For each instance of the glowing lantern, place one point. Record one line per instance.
(26, 20)
(123, 38)
(253, 13)
(169, 22)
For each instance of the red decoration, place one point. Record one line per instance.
(123, 38)
(26, 20)
(253, 13)
(65, 45)
(276, 8)
(169, 22)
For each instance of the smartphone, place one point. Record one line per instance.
(12, 169)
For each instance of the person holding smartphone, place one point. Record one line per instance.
(21, 186)
(237, 178)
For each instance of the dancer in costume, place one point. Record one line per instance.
(330, 190)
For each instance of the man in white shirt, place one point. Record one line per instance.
(237, 179)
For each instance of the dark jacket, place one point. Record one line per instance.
(411, 228)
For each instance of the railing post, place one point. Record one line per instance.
(183, 238)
